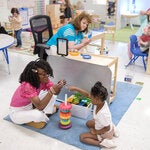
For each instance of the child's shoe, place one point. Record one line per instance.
(38, 125)
(108, 143)
(116, 132)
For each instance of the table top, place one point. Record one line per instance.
(130, 15)
(94, 33)
(6, 41)
(96, 59)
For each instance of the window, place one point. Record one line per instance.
(100, 2)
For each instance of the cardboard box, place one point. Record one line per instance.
(81, 111)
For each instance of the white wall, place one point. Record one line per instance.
(121, 7)
(99, 9)
(4, 11)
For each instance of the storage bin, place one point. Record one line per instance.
(81, 111)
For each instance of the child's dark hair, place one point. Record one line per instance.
(30, 74)
(14, 10)
(98, 90)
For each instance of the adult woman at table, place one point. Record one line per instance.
(28, 105)
(2, 29)
(16, 23)
(74, 32)
(144, 21)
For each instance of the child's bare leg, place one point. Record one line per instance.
(89, 138)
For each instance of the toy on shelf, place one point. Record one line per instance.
(65, 115)
(74, 52)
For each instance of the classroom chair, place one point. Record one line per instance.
(135, 50)
(41, 29)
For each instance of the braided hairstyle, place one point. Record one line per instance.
(30, 73)
(98, 90)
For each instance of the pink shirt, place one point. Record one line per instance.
(25, 91)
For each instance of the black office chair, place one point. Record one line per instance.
(41, 28)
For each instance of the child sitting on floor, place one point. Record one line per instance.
(101, 127)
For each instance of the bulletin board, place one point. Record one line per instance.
(20, 3)
(24, 15)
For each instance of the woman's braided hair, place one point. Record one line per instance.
(30, 74)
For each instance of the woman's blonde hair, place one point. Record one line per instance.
(77, 21)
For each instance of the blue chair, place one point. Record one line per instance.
(135, 50)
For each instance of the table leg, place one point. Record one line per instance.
(131, 24)
(148, 63)
(102, 44)
(5, 52)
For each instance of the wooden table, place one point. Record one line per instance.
(102, 60)
(98, 36)
(84, 73)
(5, 42)
(130, 16)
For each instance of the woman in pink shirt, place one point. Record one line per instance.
(28, 105)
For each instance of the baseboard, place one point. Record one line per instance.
(135, 25)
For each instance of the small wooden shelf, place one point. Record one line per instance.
(107, 61)
(54, 12)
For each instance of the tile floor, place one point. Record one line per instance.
(133, 127)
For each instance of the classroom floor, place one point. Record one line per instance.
(133, 127)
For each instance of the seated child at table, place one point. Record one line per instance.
(144, 40)
(2, 29)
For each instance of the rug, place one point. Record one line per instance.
(121, 35)
(26, 50)
(126, 93)
(27, 45)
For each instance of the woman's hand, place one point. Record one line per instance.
(86, 41)
(62, 82)
(57, 87)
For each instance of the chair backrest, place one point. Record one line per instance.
(133, 43)
(41, 28)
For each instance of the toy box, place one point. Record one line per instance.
(81, 106)
(81, 111)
